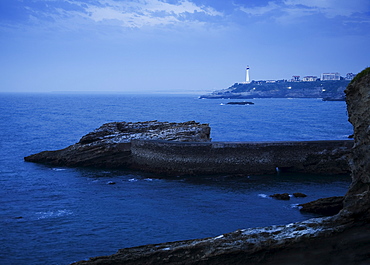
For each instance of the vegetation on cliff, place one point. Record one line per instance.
(360, 75)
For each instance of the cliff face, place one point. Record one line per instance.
(357, 200)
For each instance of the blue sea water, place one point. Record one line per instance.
(57, 215)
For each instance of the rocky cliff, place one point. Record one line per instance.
(357, 200)
(341, 239)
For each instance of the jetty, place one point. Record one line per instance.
(173, 149)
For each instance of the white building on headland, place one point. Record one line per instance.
(247, 80)
(330, 76)
(309, 78)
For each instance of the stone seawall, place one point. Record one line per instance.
(168, 157)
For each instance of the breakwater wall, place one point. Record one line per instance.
(183, 158)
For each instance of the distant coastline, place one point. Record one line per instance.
(331, 90)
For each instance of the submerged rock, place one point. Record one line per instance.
(240, 103)
(281, 196)
(299, 195)
(111, 183)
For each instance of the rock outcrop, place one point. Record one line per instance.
(341, 239)
(325, 206)
(109, 146)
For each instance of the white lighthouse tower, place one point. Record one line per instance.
(247, 75)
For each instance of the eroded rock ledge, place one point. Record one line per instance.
(341, 239)
(109, 146)
(244, 246)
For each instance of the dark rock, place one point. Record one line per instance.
(124, 132)
(299, 195)
(111, 182)
(240, 103)
(326, 206)
(281, 196)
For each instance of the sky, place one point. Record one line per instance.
(176, 46)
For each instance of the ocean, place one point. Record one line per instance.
(57, 215)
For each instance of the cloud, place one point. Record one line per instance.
(127, 14)
(333, 8)
(289, 10)
(260, 10)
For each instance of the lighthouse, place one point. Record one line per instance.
(247, 75)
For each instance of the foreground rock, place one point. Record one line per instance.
(315, 241)
(341, 239)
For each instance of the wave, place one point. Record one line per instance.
(58, 169)
(265, 196)
(132, 180)
(53, 214)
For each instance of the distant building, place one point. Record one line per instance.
(247, 75)
(350, 76)
(309, 78)
(296, 78)
(330, 76)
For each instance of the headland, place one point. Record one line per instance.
(328, 90)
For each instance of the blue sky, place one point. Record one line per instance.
(176, 46)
